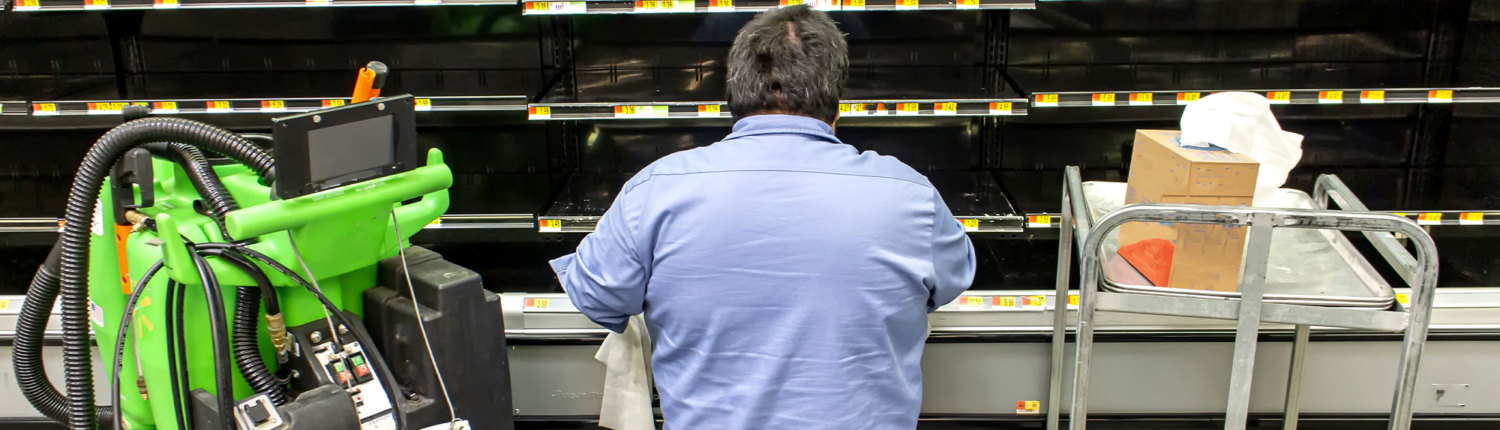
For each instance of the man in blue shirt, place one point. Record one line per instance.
(785, 276)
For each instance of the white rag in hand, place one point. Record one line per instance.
(627, 386)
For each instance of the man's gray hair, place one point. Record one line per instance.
(790, 61)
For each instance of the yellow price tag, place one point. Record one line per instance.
(1039, 220)
(906, 3)
(1403, 298)
(273, 106)
(843, 108)
(1141, 98)
(543, 110)
(1331, 97)
(628, 110)
(1000, 108)
(1440, 96)
(436, 222)
(1005, 302)
(1073, 300)
(1430, 218)
(424, 104)
(973, 302)
(1028, 407)
(30, 3)
(99, 3)
(970, 224)
(1104, 98)
(550, 225)
(950, 107)
(648, 5)
(166, 106)
(906, 107)
(854, 3)
(1280, 96)
(785, 3)
(668, 4)
(723, 3)
(333, 103)
(713, 109)
(1034, 301)
(1372, 96)
(1185, 98)
(968, 3)
(4, 304)
(1471, 218)
(1046, 99)
(543, 303)
(218, 106)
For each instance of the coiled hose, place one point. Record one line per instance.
(205, 181)
(78, 363)
(27, 355)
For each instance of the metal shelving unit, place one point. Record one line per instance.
(718, 6)
(74, 5)
(1359, 96)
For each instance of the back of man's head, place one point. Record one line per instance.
(788, 61)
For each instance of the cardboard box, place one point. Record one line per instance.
(1204, 257)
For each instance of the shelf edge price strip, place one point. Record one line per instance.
(1035, 303)
(165, 4)
(970, 224)
(711, 111)
(945, 108)
(1279, 97)
(533, 303)
(1186, 98)
(1430, 218)
(556, 7)
(1007, 303)
(1372, 96)
(908, 4)
(907, 109)
(1440, 96)
(1330, 97)
(854, 109)
(1104, 99)
(1046, 100)
(1039, 221)
(854, 4)
(164, 108)
(272, 106)
(967, 4)
(1141, 99)
(28, 5)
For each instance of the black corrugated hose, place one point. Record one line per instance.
(101, 157)
(27, 355)
(246, 321)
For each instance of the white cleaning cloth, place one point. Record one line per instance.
(1242, 122)
(627, 380)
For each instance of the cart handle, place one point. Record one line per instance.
(1330, 186)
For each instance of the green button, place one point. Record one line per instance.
(338, 366)
(357, 360)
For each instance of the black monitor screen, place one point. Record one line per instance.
(349, 151)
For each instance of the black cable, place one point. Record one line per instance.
(245, 339)
(174, 343)
(364, 340)
(217, 324)
(121, 336)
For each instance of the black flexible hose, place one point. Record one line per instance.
(217, 322)
(245, 338)
(124, 334)
(75, 235)
(205, 180)
(174, 313)
(371, 352)
(31, 324)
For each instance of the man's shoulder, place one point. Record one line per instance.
(840, 159)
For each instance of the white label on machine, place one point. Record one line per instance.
(461, 424)
(96, 225)
(387, 422)
(96, 314)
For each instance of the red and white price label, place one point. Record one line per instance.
(1104, 99)
(333, 103)
(1440, 96)
(318, 2)
(1046, 100)
(272, 106)
(907, 109)
(712, 111)
(1430, 218)
(1034, 303)
(539, 112)
(1185, 98)
(1279, 97)
(44, 109)
(971, 302)
(1141, 99)
(555, 7)
(970, 224)
(27, 6)
(1330, 97)
(1028, 407)
(1001, 108)
(219, 106)
(1039, 221)
(1372, 96)
(424, 105)
(945, 108)
(164, 108)
(549, 225)
(1471, 218)
(107, 108)
(532, 303)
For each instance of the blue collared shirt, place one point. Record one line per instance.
(785, 276)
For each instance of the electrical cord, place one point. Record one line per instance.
(223, 384)
(326, 311)
(381, 370)
(416, 311)
(178, 375)
(245, 337)
(121, 336)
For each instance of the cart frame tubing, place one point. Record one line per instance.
(1419, 271)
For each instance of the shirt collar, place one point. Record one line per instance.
(782, 124)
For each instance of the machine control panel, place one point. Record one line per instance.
(347, 367)
(257, 413)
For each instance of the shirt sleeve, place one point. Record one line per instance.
(606, 278)
(952, 257)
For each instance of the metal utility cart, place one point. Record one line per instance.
(1320, 279)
